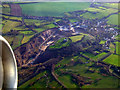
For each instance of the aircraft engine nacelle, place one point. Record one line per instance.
(8, 66)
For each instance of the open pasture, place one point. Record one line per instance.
(112, 59)
(52, 8)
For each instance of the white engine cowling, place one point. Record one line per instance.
(8, 66)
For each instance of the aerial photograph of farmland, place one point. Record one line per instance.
(64, 44)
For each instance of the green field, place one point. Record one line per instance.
(9, 25)
(17, 41)
(113, 19)
(0, 26)
(117, 47)
(52, 8)
(99, 56)
(12, 17)
(112, 5)
(39, 24)
(26, 32)
(5, 16)
(100, 13)
(51, 26)
(39, 29)
(112, 59)
(44, 27)
(73, 20)
(107, 82)
(67, 60)
(102, 42)
(67, 81)
(112, 47)
(56, 20)
(63, 42)
(76, 38)
(117, 37)
(26, 38)
(32, 21)
(90, 55)
(41, 81)
(21, 28)
(25, 85)
(6, 5)
(6, 10)
(67, 65)
(15, 18)
(0, 6)
(79, 37)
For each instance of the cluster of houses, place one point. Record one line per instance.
(71, 26)
(66, 28)
(95, 28)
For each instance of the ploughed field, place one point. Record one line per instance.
(84, 54)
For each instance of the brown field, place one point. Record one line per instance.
(15, 10)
